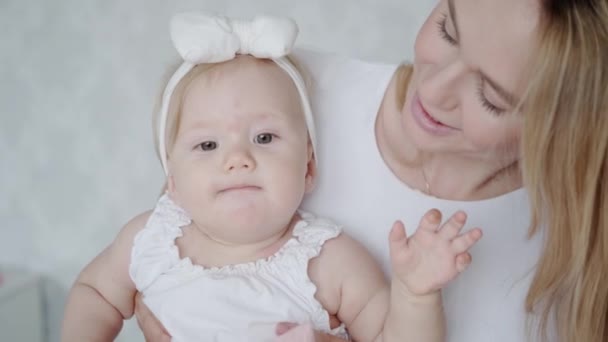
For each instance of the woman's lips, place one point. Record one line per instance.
(427, 122)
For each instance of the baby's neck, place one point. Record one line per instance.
(204, 250)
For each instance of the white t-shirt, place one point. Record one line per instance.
(357, 189)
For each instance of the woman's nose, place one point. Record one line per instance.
(441, 88)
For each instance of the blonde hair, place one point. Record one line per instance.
(565, 168)
(175, 103)
(403, 76)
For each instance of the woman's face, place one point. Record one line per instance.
(470, 57)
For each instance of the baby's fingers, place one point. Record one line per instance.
(397, 239)
(452, 227)
(430, 221)
(464, 241)
(463, 260)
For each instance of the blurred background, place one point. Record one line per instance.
(78, 83)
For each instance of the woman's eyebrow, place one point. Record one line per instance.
(452, 13)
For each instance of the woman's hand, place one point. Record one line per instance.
(151, 327)
(155, 332)
(302, 333)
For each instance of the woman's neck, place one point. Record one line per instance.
(443, 175)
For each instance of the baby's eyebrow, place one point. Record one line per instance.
(270, 115)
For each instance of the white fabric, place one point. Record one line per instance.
(225, 304)
(356, 189)
(206, 38)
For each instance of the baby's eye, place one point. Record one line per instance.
(208, 145)
(263, 138)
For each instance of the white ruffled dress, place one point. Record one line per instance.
(229, 303)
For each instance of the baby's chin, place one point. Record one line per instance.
(241, 203)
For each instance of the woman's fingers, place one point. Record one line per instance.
(302, 333)
(150, 326)
(284, 327)
(157, 336)
(297, 333)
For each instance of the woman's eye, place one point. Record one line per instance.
(443, 32)
(264, 138)
(208, 145)
(489, 106)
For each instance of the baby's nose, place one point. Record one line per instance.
(240, 160)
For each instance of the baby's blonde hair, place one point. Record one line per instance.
(175, 103)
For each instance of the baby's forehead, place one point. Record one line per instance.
(246, 66)
(243, 82)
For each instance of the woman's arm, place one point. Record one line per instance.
(102, 296)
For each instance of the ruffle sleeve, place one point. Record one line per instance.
(154, 251)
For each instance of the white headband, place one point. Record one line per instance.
(205, 38)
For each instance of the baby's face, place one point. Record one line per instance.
(241, 162)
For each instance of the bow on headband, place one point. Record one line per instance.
(204, 38)
(201, 38)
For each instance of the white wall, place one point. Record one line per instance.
(78, 80)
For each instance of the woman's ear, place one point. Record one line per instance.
(311, 170)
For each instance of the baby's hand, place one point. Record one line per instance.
(434, 255)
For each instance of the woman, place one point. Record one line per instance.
(498, 89)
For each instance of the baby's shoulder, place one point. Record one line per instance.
(139, 220)
(342, 261)
(342, 249)
(132, 227)
(337, 245)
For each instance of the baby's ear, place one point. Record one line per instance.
(170, 184)
(170, 188)
(311, 170)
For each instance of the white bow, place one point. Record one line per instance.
(202, 38)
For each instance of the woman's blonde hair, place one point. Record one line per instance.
(565, 168)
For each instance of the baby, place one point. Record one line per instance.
(226, 251)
